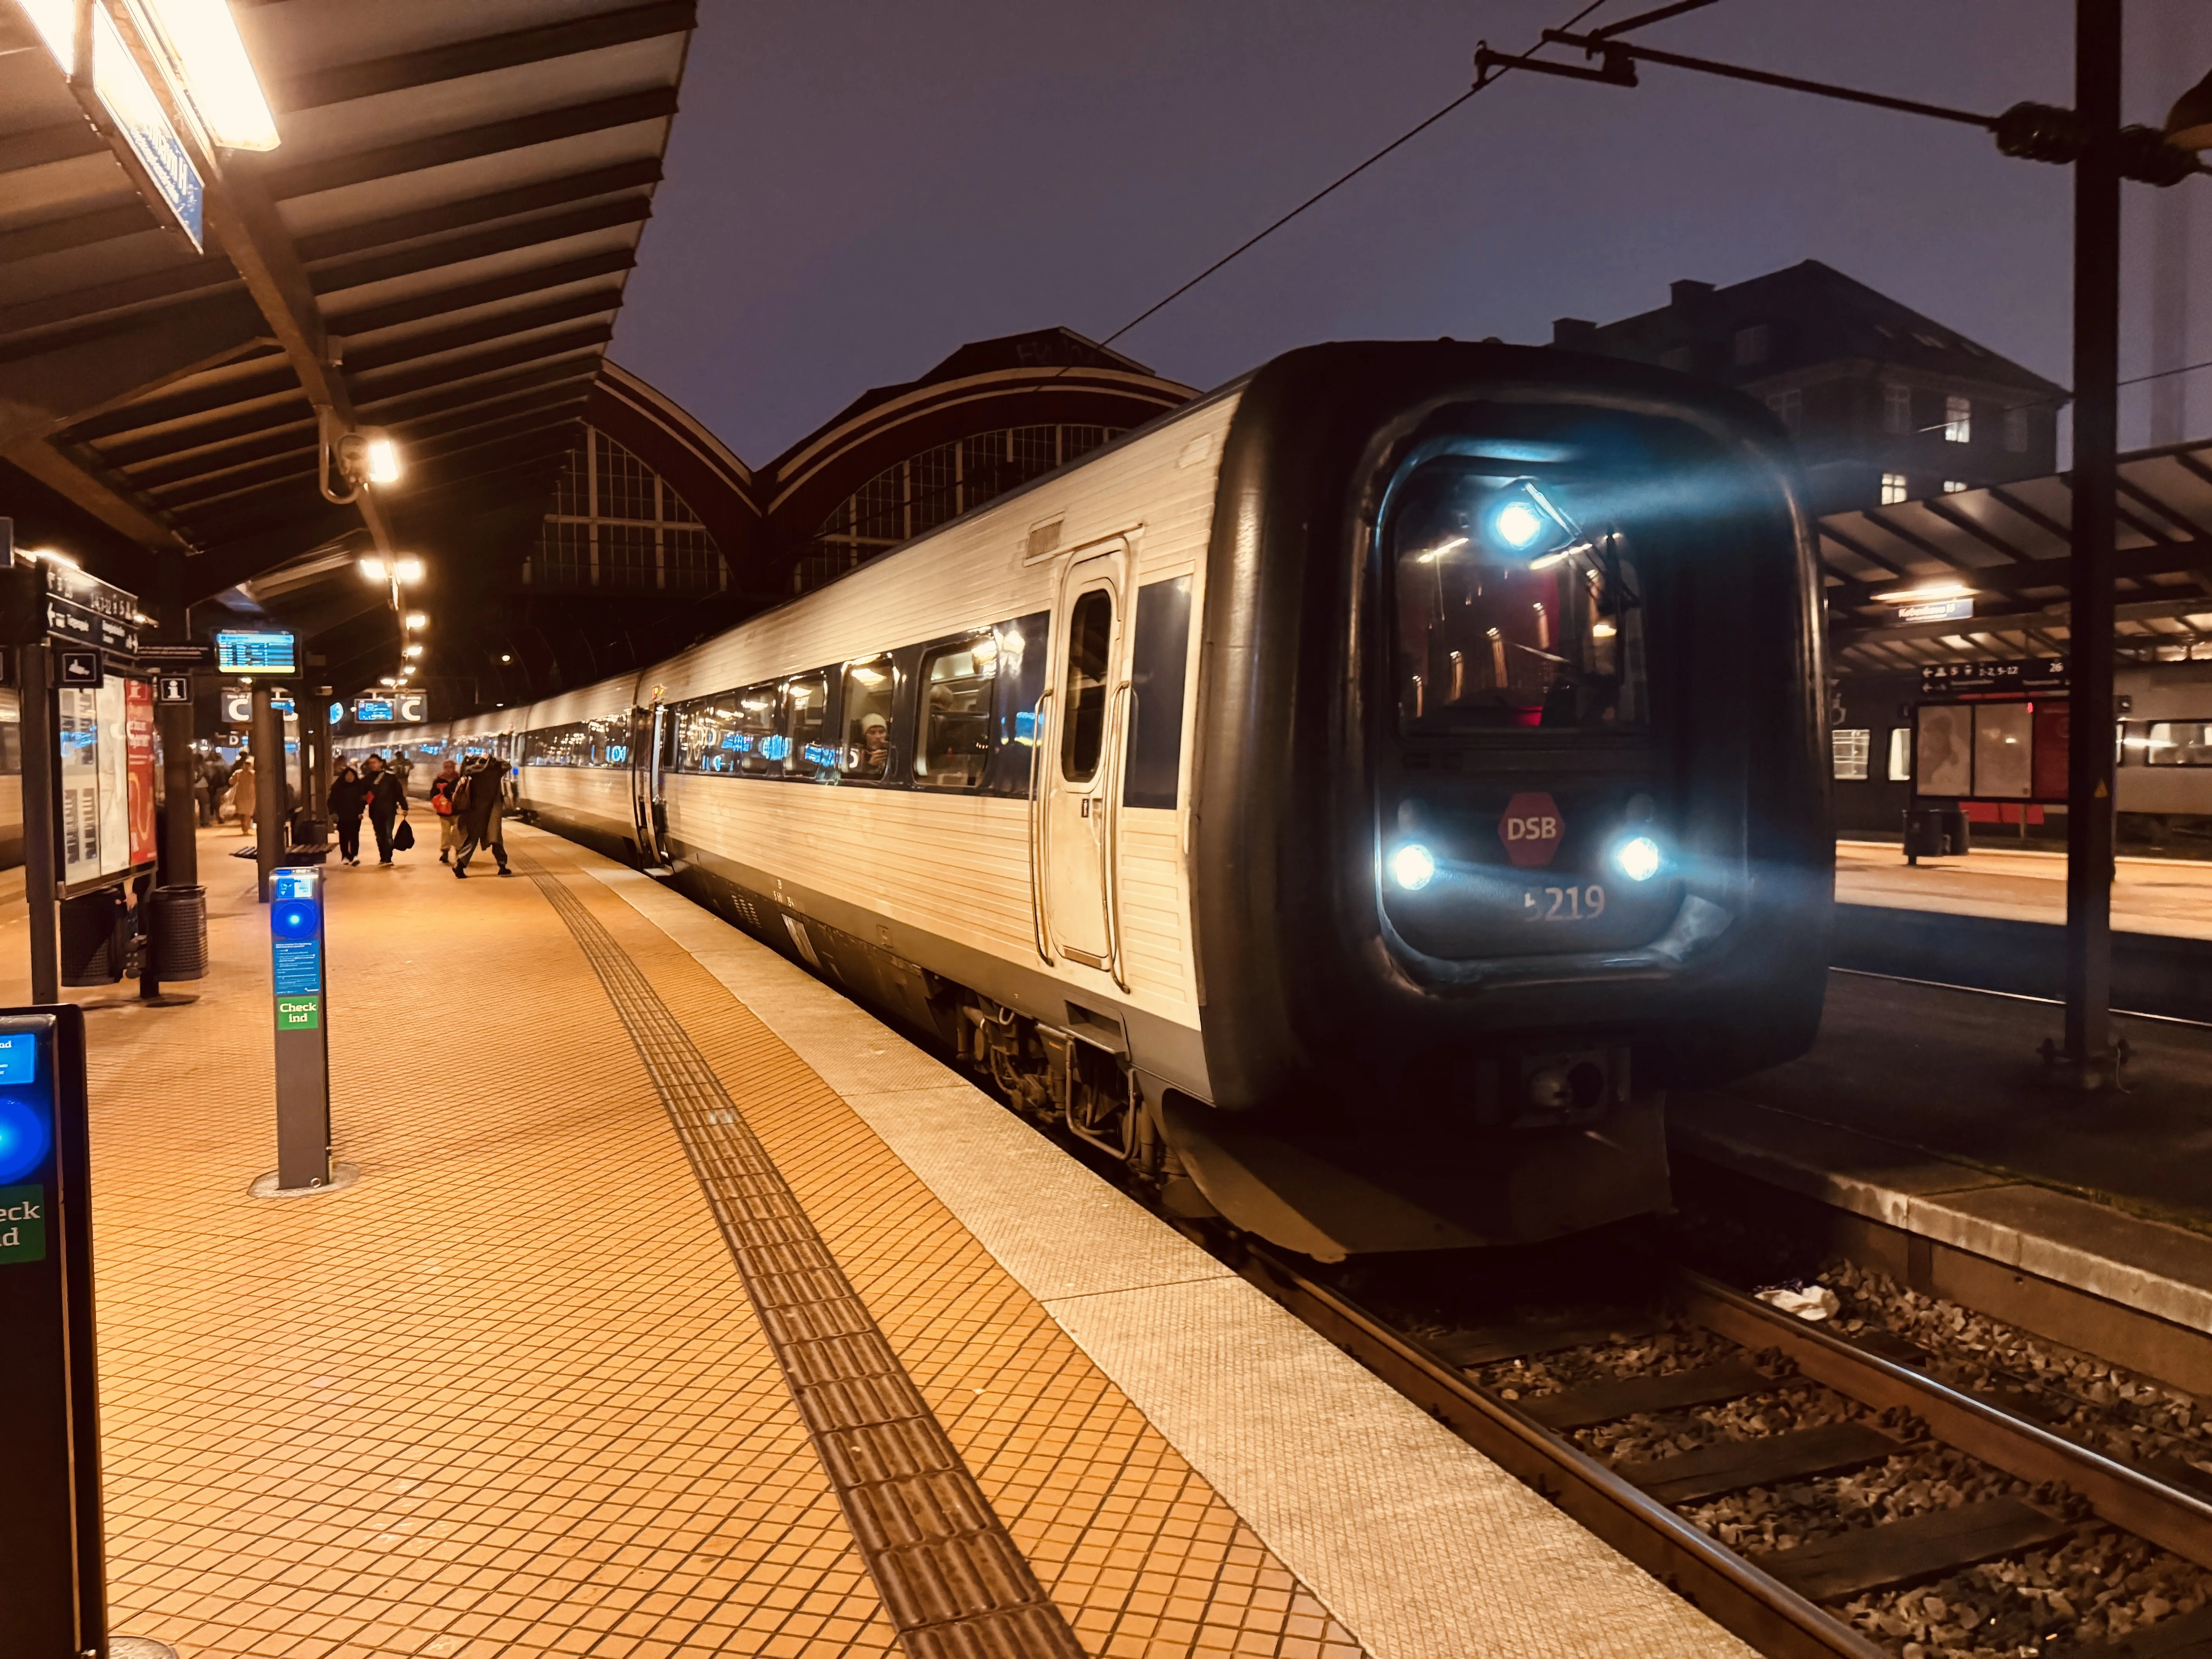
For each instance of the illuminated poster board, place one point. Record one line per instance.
(138, 731)
(241, 652)
(106, 779)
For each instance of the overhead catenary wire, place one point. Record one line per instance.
(1325, 191)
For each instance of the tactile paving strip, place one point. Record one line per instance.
(951, 1577)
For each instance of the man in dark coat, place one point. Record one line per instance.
(481, 803)
(387, 804)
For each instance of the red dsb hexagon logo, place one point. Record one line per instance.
(1531, 829)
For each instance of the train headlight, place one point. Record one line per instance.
(1637, 858)
(1518, 524)
(1413, 866)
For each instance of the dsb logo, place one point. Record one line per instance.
(1531, 829)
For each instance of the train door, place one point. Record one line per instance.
(651, 738)
(1077, 794)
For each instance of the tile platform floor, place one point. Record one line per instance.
(506, 1395)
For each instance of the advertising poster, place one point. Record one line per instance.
(114, 768)
(138, 728)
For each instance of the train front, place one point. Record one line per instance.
(1511, 811)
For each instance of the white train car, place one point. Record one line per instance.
(1176, 791)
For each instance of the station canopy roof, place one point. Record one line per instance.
(437, 247)
(2007, 548)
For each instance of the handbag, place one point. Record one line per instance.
(403, 839)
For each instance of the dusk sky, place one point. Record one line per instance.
(855, 187)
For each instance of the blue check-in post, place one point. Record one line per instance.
(303, 1009)
(52, 1588)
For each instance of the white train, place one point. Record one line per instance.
(1433, 772)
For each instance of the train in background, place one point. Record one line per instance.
(1352, 800)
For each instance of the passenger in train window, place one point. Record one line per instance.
(868, 689)
(957, 682)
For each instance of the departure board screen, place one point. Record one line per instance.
(243, 652)
(373, 709)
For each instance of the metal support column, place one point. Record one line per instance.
(267, 740)
(314, 704)
(41, 880)
(2090, 1056)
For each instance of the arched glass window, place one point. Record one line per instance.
(925, 490)
(617, 525)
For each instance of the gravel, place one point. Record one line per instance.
(2094, 1586)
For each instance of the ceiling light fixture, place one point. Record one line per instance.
(201, 39)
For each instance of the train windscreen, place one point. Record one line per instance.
(1512, 615)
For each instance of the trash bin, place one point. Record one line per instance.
(1934, 829)
(177, 919)
(94, 946)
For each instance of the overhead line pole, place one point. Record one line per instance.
(2090, 1055)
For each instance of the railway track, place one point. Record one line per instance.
(1777, 1601)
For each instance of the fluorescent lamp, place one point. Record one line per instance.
(412, 651)
(408, 568)
(1922, 595)
(202, 41)
(383, 461)
(376, 570)
(1441, 549)
(416, 619)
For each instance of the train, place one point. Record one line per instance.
(1351, 801)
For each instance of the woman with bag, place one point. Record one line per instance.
(387, 801)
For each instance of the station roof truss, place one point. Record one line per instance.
(438, 247)
(2010, 547)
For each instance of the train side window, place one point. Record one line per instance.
(1157, 659)
(1083, 727)
(703, 744)
(753, 742)
(2178, 742)
(957, 682)
(869, 687)
(808, 752)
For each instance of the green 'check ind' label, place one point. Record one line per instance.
(299, 1013)
(22, 1224)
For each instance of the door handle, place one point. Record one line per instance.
(1040, 752)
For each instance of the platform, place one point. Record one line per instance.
(1924, 1110)
(511, 1393)
(2168, 896)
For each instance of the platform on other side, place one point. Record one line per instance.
(666, 1267)
(1925, 1112)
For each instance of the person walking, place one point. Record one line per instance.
(387, 804)
(480, 802)
(349, 799)
(203, 795)
(442, 803)
(240, 793)
(218, 780)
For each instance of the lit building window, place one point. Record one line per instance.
(1892, 488)
(1952, 486)
(1851, 749)
(2015, 430)
(1958, 420)
(1790, 407)
(617, 525)
(925, 490)
(1753, 344)
(1896, 407)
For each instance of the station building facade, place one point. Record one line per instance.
(655, 533)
